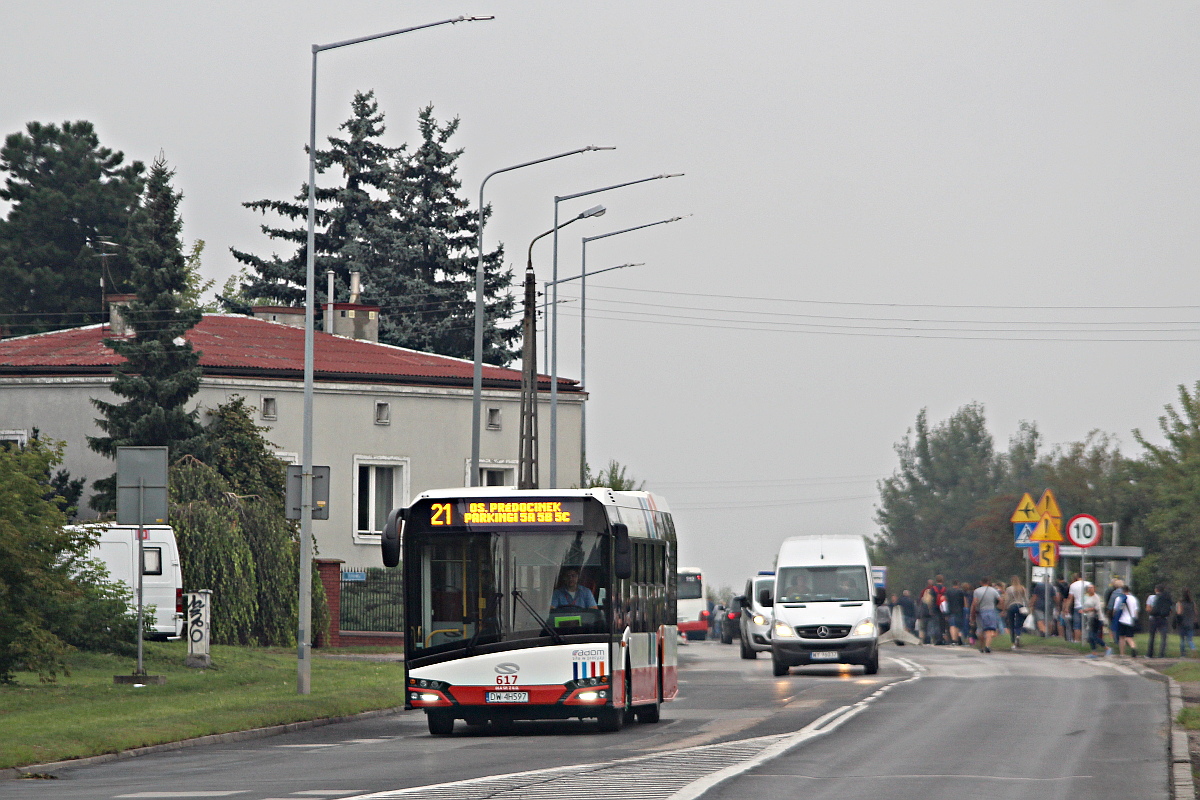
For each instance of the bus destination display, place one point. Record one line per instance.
(505, 514)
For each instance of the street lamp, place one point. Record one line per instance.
(554, 315)
(583, 273)
(303, 644)
(477, 379)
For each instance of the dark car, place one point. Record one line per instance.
(730, 621)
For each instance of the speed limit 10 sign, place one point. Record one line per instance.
(1083, 530)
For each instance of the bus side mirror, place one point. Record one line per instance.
(390, 541)
(622, 551)
(764, 598)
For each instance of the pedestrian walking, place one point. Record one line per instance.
(985, 612)
(924, 614)
(1185, 612)
(939, 608)
(1077, 591)
(1116, 587)
(956, 612)
(1037, 602)
(909, 609)
(1016, 605)
(1091, 612)
(1125, 612)
(1160, 618)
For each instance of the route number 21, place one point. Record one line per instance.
(442, 514)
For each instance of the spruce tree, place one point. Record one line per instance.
(66, 193)
(161, 371)
(342, 213)
(426, 283)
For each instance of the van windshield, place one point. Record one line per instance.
(822, 584)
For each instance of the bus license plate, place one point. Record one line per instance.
(507, 697)
(823, 655)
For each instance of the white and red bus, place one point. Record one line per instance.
(691, 609)
(536, 604)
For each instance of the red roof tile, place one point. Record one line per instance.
(236, 345)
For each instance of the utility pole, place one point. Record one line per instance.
(527, 470)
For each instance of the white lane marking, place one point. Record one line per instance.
(325, 792)
(1006, 778)
(314, 744)
(826, 723)
(183, 794)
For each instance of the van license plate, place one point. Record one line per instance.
(507, 697)
(824, 655)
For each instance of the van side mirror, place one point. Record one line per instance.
(764, 598)
(389, 543)
(622, 551)
(740, 601)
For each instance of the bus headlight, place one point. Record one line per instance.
(864, 628)
(784, 631)
(589, 697)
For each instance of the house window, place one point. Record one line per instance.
(493, 419)
(379, 489)
(270, 409)
(383, 413)
(14, 439)
(491, 476)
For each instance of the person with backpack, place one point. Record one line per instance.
(1125, 612)
(1160, 618)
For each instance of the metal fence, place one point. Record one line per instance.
(372, 600)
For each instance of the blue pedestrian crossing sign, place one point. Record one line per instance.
(1021, 533)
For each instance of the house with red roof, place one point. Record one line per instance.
(388, 421)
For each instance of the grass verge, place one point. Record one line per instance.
(86, 714)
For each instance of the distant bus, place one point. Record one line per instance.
(692, 609)
(536, 604)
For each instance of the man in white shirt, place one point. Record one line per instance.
(1077, 590)
(1125, 611)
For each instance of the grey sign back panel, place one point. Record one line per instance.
(144, 470)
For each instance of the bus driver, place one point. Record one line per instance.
(570, 594)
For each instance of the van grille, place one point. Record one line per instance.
(831, 631)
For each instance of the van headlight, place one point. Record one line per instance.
(784, 631)
(759, 619)
(864, 628)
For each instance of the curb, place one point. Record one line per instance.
(1183, 786)
(213, 738)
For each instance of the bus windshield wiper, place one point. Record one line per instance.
(555, 635)
(469, 647)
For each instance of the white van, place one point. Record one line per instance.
(823, 605)
(162, 579)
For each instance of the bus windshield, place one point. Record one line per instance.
(822, 584)
(477, 588)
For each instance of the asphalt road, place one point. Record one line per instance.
(949, 721)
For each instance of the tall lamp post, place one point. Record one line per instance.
(303, 641)
(553, 302)
(583, 273)
(477, 378)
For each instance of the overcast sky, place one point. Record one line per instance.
(911, 205)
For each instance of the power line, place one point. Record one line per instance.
(887, 305)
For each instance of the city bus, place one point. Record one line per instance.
(536, 604)
(692, 609)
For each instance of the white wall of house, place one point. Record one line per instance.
(384, 443)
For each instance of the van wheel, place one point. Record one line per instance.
(747, 651)
(440, 723)
(778, 668)
(872, 666)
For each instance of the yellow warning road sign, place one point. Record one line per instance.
(1049, 505)
(1026, 511)
(1048, 554)
(1047, 530)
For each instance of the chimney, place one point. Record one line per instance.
(357, 321)
(116, 318)
(288, 315)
